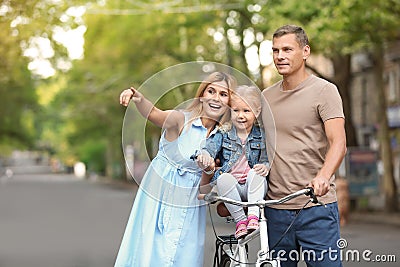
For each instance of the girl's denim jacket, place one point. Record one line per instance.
(227, 147)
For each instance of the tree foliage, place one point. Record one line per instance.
(16, 88)
(23, 24)
(126, 42)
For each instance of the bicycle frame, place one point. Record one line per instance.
(239, 254)
(263, 255)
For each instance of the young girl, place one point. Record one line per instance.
(166, 226)
(241, 150)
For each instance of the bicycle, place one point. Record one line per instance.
(231, 252)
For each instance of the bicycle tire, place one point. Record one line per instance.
(266, 265)
(225, 261)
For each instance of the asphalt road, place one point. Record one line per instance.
(52, 220)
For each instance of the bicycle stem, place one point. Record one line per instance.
(264, 233)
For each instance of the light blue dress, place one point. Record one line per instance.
(166, 226)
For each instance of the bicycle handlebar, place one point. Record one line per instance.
(213, 197)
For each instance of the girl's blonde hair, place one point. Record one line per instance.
(251, 95)
(196, 107)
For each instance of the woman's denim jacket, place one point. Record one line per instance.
(227, 147)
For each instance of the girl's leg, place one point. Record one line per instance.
(256, 190)
(226, 185)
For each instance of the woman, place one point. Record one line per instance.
(166, 226)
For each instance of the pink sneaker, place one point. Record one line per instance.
(252, 223)
(241, 229)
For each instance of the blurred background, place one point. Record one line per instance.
(63, 64)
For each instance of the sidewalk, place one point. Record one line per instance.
(375, 217)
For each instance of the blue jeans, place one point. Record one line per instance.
(313, 237)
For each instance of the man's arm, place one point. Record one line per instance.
(335, 132)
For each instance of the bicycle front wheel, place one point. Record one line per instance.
(225, 261)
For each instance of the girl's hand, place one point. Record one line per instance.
(205, 162)
(129, 94)
(261, 169)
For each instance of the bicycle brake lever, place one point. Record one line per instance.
(211, 197)
(313, 197)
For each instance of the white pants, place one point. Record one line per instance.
(254, 189)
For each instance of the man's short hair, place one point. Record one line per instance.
(301, 35)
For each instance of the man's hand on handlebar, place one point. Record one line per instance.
(320, 185)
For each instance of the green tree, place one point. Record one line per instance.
(23, 26)
(16, 86)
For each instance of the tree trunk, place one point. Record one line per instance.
(389, 184)
(342, 79)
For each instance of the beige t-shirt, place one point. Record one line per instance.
(295, 134)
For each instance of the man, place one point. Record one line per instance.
(304, 115)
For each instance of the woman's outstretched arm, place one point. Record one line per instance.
(166, 119)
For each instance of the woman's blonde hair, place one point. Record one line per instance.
(196, 107)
